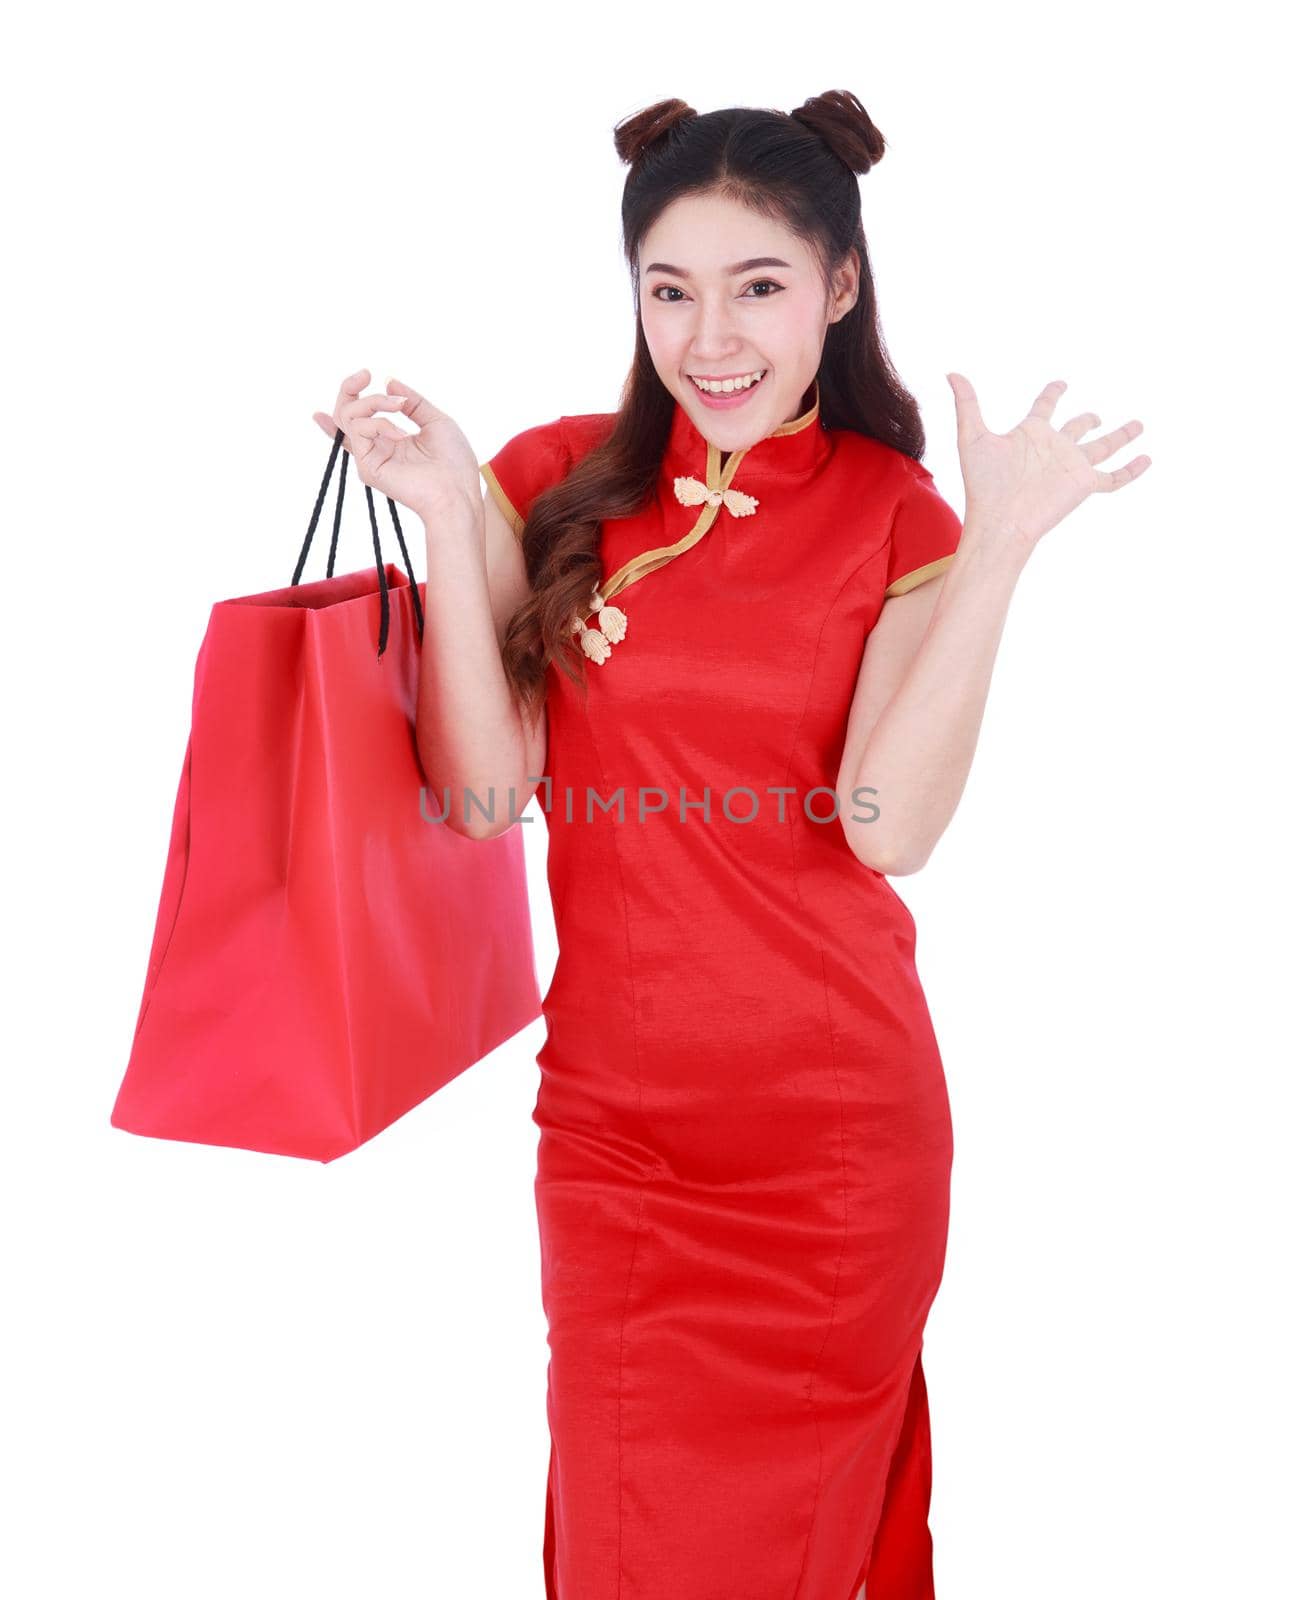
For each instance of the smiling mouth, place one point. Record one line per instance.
(718, 386)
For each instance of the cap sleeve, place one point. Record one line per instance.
(925, 534)
(526, 465)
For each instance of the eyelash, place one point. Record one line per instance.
(778, 287)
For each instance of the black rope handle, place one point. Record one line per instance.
(337, 443)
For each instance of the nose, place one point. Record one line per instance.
(717, 339)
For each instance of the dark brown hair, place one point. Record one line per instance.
(799, 167)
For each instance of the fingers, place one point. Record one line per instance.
(371, 452)
(1096, 450)
(356, 413)
(1047, 399)
(1081, 424)
(1105, 481)
(352, 386)
(967, 411)
(374, 428)
(1099, 449)
(358, 420)
(416, 407)
(364, 406)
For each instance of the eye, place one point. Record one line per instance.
(671, 288)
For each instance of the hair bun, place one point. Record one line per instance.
(636, 133)
(840, 119)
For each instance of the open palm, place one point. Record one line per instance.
(1029, 479)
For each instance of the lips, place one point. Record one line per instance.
(725, 399)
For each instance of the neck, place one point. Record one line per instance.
(803, 406)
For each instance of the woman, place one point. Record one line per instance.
(738, 644)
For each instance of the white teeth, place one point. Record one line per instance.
(729, 385)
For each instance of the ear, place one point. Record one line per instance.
(847, 286)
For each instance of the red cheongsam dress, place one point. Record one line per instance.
(743, 1165)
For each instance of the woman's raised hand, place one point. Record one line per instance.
(421, 470)
(1022, 483)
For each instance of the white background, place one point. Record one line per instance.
(234, 1374)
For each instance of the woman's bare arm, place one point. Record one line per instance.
(918, 706)
(927, 665)
(471, 733)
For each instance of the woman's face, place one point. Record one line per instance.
(727, 292)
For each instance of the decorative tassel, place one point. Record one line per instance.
(594, 642)
(614, 624)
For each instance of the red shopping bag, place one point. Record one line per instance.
(325, 954)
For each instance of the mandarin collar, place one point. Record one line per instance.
(794, 448)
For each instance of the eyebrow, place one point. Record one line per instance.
(731, 272)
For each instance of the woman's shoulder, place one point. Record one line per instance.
(900, 480)
(882, 465)
(584, 431)
(538, 457)
(894, 501)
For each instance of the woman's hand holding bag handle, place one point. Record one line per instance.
(424, 470)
